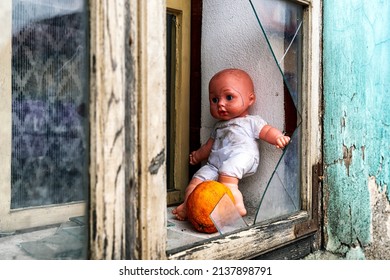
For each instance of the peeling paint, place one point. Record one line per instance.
(356, 129)
(347, 157)
(355, 253)
(157, 162)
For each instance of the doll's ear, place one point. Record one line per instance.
(252, 98)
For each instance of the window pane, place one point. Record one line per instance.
(282, 195)
(43, 201)
(282, 24)
(49, 102)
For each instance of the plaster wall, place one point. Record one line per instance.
(356, 58)
(232, 38)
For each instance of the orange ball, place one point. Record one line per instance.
(202, 201)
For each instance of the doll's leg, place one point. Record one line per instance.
(232, 184)
(181, 211)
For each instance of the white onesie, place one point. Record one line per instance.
(235, 151)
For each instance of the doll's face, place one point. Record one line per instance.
(231, 94)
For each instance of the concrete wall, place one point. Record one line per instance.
(356, 60)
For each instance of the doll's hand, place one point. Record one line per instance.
(282, 141)
(193, 159)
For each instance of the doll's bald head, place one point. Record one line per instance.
(234, 73)
(231, 93)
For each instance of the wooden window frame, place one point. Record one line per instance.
(180, 121)
(128, 190)
(128, 138)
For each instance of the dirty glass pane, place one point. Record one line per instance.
(225, 216)
(49, 102)
(282, 195)
(49, 156)
(281, 23)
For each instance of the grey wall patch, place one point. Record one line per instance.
(156, 162)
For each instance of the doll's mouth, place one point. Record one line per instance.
(222, 113)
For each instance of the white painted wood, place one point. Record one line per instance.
(107, 200)
(5, 115)
(245, 244)
(150, 77)
(312, 109)
(143, 228)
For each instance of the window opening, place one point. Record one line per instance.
(280, 22)
(278, 192)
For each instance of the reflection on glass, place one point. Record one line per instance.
(281, 23)
(49, 103)
(49, 161)
(282, 194)
(225, 216)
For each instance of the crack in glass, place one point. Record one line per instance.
(281, 24)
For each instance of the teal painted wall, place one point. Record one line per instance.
(356, 64)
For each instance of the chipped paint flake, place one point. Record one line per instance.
(347, 156)
(157, 162)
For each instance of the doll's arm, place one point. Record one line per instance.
(202, 153)
(274, 136)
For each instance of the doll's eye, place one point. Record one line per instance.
(214, 100)
(229, 97)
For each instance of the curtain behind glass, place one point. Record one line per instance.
(49, 102)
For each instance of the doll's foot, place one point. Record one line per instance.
(180, 212)
(238, 198)
(241, 209)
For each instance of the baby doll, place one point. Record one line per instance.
(231, 150)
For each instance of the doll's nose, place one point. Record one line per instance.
(221, 103)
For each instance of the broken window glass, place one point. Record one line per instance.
(281, 23)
